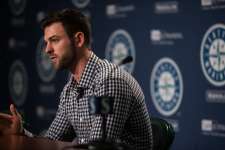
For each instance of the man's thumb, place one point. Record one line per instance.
(13, 110)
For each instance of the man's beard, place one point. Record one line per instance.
(68, 59)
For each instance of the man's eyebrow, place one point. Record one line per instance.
(52, 37)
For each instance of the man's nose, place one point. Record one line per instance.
(48, 48)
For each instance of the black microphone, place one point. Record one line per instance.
(126, 60)
(80, 92)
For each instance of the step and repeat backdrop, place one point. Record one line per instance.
(178, 51)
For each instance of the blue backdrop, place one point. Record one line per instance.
(178, 50)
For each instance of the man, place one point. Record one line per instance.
(67, 38)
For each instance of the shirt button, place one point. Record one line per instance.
(82, 140)
(81, 119)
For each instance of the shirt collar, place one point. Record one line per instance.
(88, 73)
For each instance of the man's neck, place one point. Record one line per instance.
(80, 65)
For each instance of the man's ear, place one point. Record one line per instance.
(79, 39)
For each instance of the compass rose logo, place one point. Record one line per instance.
(18, 82)
(17, 6)
(213, 55)
(166, 86)
(80, 3)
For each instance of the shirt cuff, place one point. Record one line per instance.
(27, 133)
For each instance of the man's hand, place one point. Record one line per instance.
(11, 124)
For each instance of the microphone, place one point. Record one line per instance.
(81, 92)
(126, 60)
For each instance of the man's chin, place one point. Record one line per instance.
(56, 67)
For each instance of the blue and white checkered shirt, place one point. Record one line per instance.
(130, 121)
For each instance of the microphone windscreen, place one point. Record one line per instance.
(126, 60)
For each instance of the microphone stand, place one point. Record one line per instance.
(104, 127)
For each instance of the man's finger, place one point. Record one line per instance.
(16, 112)
(5, 116)
(13, 110)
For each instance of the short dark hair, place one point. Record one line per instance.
(72, 20)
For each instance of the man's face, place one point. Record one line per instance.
(59, 46)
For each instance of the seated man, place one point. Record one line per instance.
(67, 40)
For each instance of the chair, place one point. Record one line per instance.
(163, 134)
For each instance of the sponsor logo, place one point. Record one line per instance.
(17, 6)
(206, 2)
(206, 125)
(16, 44)
(80, 3)
(211, 127)
(119, 46)
(215, 96)
(166, 7)
(212, 55)
(118, 11)
(18, 83)
(45, 68)
(44, 113)
(212, 4)
(160, 37)
(166, 86)
(47, 88)
(40, 16)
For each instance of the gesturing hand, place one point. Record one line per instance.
(11, 124)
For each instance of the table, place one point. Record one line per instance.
(18, 142)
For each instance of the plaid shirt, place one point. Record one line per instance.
(130, 120)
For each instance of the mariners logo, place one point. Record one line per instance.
(45, 68)
(17, 6)
(119, 46)
(80, 3)
(213, 55)
(18, 83)
(166, 86)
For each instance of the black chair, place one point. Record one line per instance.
(163, 134)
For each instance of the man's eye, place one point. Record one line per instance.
(54, 40)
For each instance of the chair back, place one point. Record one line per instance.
(163, 134)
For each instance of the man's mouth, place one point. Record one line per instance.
(52, 57)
